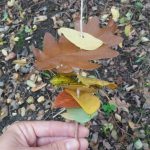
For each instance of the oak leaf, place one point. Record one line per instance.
(105, 34)
(63, 56)
(65, 100)
(60, 56)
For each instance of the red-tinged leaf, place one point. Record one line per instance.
(65, 100)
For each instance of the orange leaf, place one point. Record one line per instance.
(65, 100)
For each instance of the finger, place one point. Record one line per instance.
(68, 144)
(53, 129)
(47, 140)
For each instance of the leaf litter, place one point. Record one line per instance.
(123, 69)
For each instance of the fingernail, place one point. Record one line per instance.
(72, 144)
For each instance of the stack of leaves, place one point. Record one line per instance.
(73, 52)
(78, 96)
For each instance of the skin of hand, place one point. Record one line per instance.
(43, 135)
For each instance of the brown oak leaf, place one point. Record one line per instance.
(105, 34)
(63, 56)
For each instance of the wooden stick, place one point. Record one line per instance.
(77, 132)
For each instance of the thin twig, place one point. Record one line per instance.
(81, 19)
(62, 110)
(76, 132)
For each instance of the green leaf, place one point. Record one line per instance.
(78, 115)
(129, 15)
(127, 30)
(138, 144)
(5, 16)
(123, 20)
(27, 29)
(109, 108)
(138, 5)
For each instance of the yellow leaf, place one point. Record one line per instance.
(87, 42)
(62, 80)
(80, 87)
(115, 13)
(87, 101)
(96, 82)
(127, 30)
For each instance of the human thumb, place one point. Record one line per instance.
(70, 144)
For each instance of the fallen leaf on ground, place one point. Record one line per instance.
(65, 100)
(115, 13)
(21, 62)
(87, 42)
(78, 115)
(38, 87)
(121, 104)
(87, 101)
(127, 30)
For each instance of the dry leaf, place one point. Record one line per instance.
(87, 101)
(127, 30)
(104, 34)
(87, 42)
(121, 104)
(60, 56)
(63, 56)
(115, 13)
(96, 82)
(38, 87)
(65, 100)
(20, 62)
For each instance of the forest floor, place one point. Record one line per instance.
(25, 22)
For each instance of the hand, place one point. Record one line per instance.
(43, 135)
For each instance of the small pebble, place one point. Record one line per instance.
(23, 111)
(1, 92)
(114, 134)
(24, 69)
(3, 112)
(9, 101)
(41, 99)
(14, 114)
(30, 100)
(40, 115)
(94, 139)
(1, 83)
(146, 146)
(31, 107)
(30, 83)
